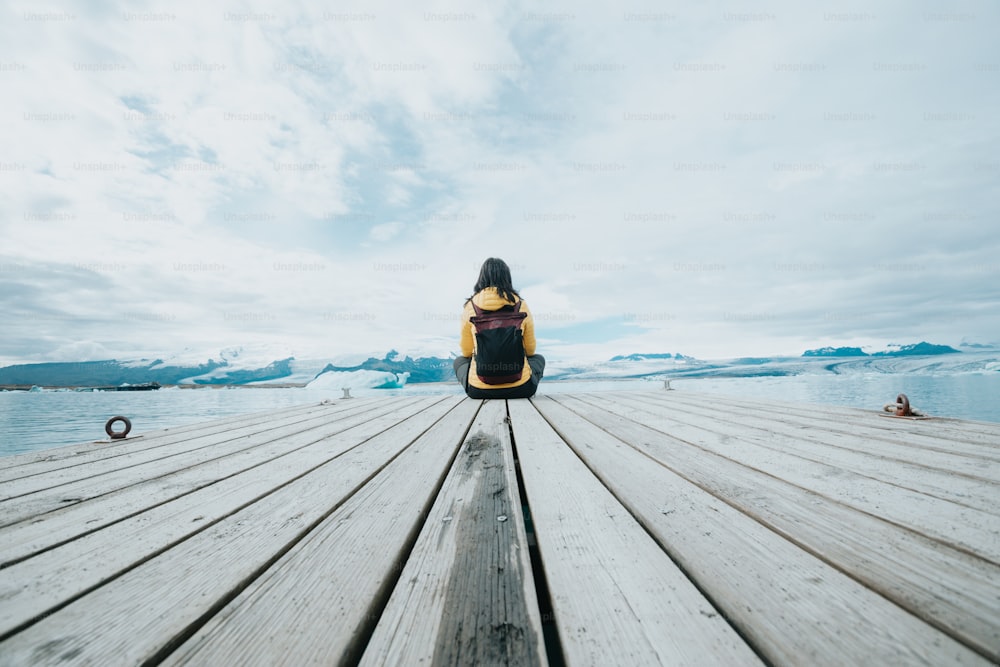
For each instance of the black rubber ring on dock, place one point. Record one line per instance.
(117, 435)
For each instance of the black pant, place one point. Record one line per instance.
(526, 390)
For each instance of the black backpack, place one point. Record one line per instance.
(499, 344)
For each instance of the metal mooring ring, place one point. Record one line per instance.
(903, 406)
(117, 435)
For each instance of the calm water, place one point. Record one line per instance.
(39, 420)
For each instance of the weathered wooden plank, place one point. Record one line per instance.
(852, 435)
(981, 433)
(949, 588)
(814, 444)
(943, 435)
(968, 528)
(794, 608)
(46, 500)
(21, 465)
(43, 531)
(618, 598)
(122, 623)
(950, 436)
(121, 454)
(320, 600)
(67, 522)
(173, 453)
(35, 586)
(466, 595)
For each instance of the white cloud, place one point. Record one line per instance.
(84, 350)
(720, 182)
(386, 232)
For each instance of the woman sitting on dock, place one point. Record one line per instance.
(498, 339)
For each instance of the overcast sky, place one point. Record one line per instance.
(326, 178)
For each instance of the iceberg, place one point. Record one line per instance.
(361, 379)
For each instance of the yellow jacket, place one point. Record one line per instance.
(488, 299)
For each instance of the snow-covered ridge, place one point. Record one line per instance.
(359, 380)
(278, 366)
(922, 348)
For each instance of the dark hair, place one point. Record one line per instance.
(495, 273)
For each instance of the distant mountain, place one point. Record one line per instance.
(100, 373)
(912, 350)
(236, 366)
(113, 372)
(229, 370)
(922, 348)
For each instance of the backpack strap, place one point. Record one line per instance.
(480, 311)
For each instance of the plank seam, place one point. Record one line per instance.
(900, 526)
(354, 652)
(901, 602)
(551, 641)
(318, 418)
(886, 434)
(177, 640)
(687, 574)
(175, 471)
(80, 535)
(700, 410)
(112, 449)
(240, 587)
(758, 432)
(56, 455)
(145, 508)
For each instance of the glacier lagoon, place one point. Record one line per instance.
(31, 421)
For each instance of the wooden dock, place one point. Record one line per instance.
(628, 528)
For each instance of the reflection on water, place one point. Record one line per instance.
(39, 420)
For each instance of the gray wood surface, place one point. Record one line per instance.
(934, 442)
(618, 598)
(146, 608)
(949, 587)
(317, 604)
(794, 607)
(169, 453)
(968, 528)
(70, 455)
(947, 436)
(672, 528)
(102, 505)
(466, 595)
(95, 481)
